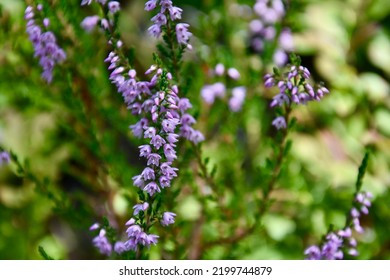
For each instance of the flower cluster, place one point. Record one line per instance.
(102, 243)
(44, 42)
(161, 21)
(263, 29)
(294, 87)
(337, 242)
(89, 23)
(210, 92)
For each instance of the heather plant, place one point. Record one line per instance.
(169, 129)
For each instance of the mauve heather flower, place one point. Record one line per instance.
(182, 33)
(233, 73)
(95, 226)
(237, 99)
(168, 218)
(219, 69)
(4, 158)
(89, 23)
(114, 7)
(279, 122)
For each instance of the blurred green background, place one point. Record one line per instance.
(77, 155)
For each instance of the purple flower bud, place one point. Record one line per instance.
(233, 73)
(46, 22)
(355, 213)
(353, 252)
(130, 222)
(280, 57)
(345, 233)
(286, 40)
(132, 73)
(256, 26)
(207, 94)
(269, 82)
(105, 24)
(357, 226)
(95, 226)
(235, 103)
(219, 69)
(352, 242)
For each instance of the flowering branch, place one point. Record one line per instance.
(163, 119)
(294, 88)
(336, 243)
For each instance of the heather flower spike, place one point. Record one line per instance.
(337, 243)
(163, 119)
(44, 42)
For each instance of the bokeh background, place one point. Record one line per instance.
(76, 155)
